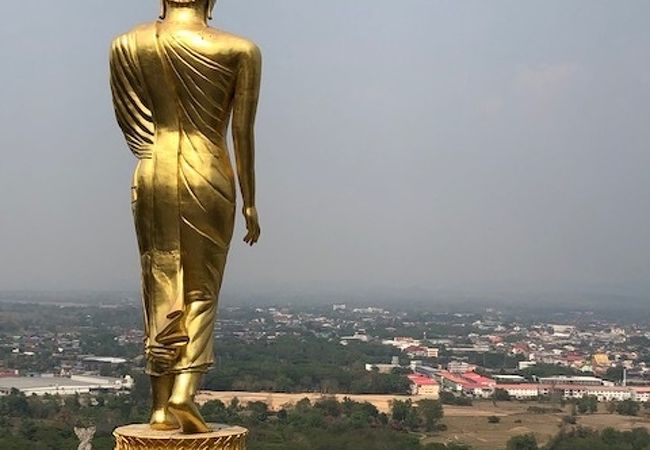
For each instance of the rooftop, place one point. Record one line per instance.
(48, 381)
(422, 381)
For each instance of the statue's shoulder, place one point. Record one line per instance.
(239, 45)
(134, 33)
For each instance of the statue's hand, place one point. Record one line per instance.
(252, 225)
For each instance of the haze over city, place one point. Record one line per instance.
(414, 146)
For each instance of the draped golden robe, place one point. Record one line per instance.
(173, 97)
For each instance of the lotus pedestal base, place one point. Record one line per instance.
(142, 437)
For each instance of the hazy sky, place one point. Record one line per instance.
(407, 144)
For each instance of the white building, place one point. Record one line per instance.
(602, 393)
(584, 381)
(358, 337)
(563, 330)
(402, 342)
(382, 368)
(523, 391)
(509, 379)
(49, 384)
(105, 360)
(460, 367)
(433, 352)
(641, 394)
(526, 364)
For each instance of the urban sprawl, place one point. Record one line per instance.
(475, 355)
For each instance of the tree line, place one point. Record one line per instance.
(304, 364)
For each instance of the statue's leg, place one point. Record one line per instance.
(182, 406)
(161, 417)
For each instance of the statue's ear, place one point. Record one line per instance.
(211, 4)
(163, 9)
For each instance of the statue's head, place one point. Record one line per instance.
(207, 4)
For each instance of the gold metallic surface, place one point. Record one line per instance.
(140, 437)
(177, 85)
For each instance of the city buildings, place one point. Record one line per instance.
(474, 354)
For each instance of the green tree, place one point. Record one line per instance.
(628, 408)
(405, 414)
(608, 439)
(548, 370)
(501, 395)
(431, 412)
(15, 404)
(400, 410)
(525, 442)
(215, 411)
(330, 406)
(259, 411)
(614, 374)
(587, 405)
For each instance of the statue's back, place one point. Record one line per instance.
(174, 90)
(189, 76)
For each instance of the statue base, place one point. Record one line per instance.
(142, 437)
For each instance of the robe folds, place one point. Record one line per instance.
(173, 100)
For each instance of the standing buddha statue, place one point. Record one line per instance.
(177, 84)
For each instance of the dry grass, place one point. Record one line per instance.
(470, 425)
(277, 401)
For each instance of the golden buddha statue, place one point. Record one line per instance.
(176, 83)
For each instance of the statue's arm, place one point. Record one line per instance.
(129, 99)
(243, 130)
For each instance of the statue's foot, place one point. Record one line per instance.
(163, 420)
(188, 416)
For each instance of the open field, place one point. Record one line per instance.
(467, 425)
(472, 427)
(277, 401)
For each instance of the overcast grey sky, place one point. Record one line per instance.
(407, 144)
